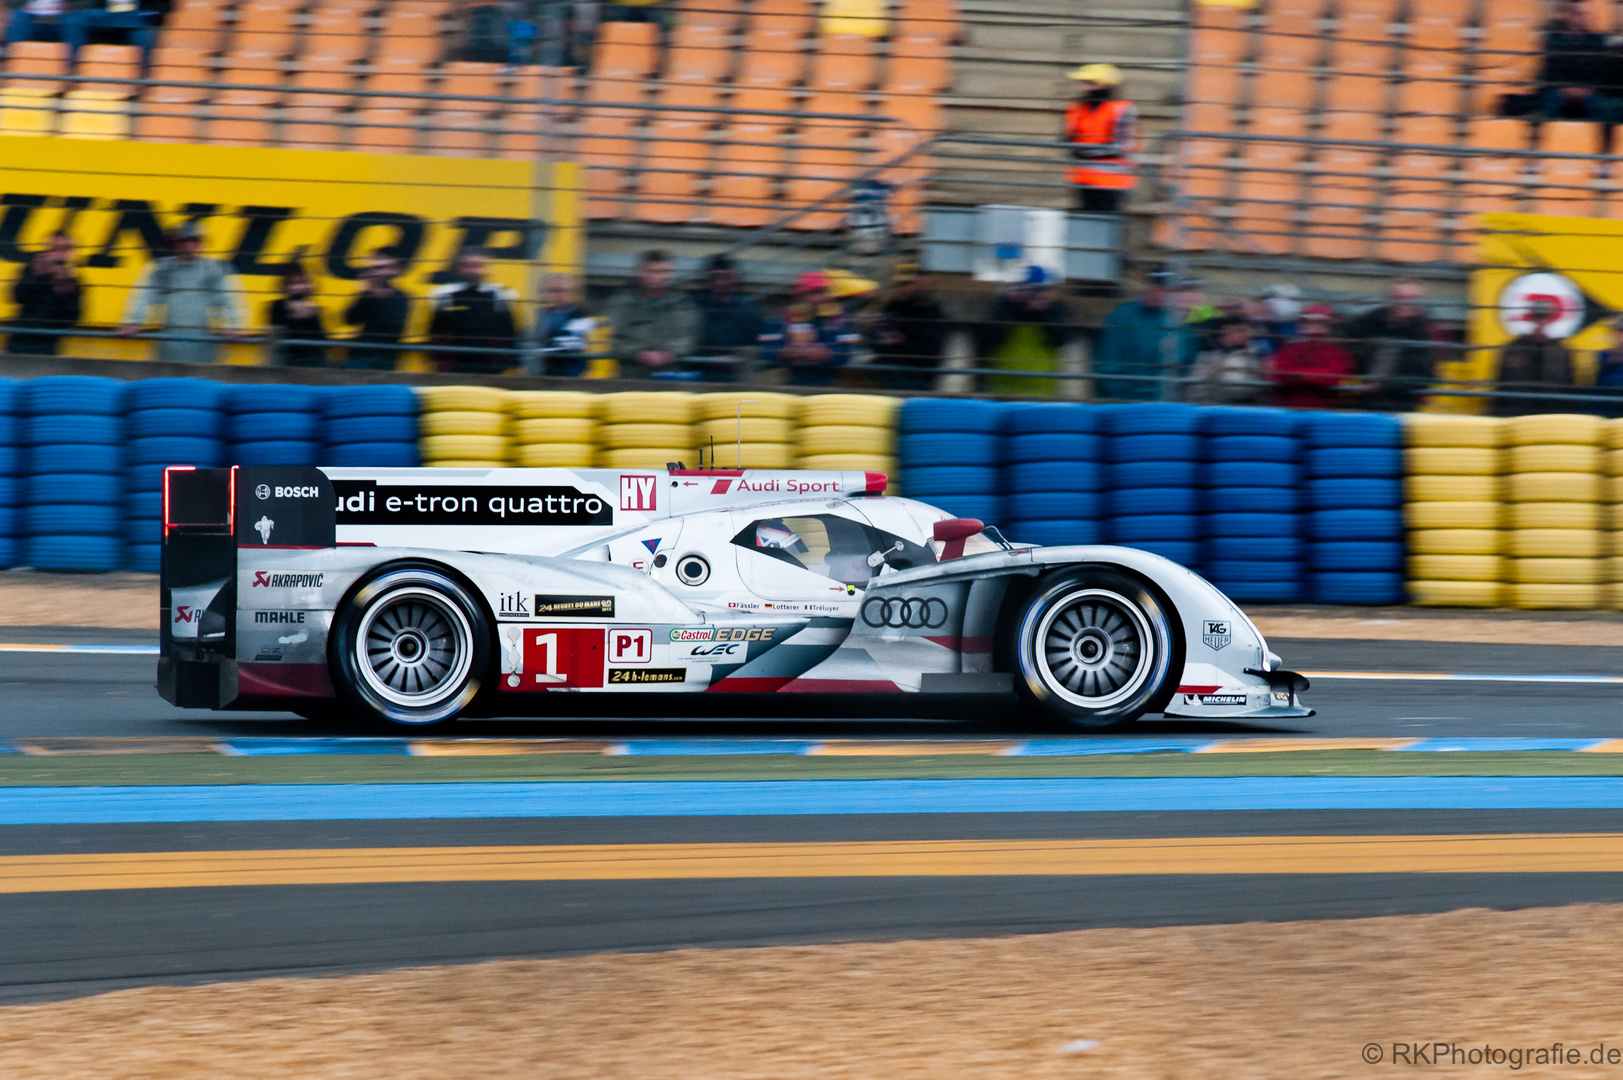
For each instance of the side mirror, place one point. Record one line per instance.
(952, 532)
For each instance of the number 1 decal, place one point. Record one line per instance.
(566, 656)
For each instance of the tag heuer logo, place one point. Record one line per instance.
(1217, 634)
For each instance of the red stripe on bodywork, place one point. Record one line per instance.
(766, 684)
(284, 680)
(1199, 689)
(842, 686)
(961, 644)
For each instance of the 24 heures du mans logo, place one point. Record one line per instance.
(266, 580)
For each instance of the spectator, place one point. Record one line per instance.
(132, 22)
(565, 331)
(1609, 372)
(655, 326)
(650, 11)
(729, 324)
(1395, 346)
(1024, 332)
(1103, 132)
(1142, 338)
(493, 34)
(812, 337)
(294, 316)
(381, 312)
(193, 294)
(37, 20)
(1308, 371)
(910, 332)
(1576, 65)
(1229, 371)
(472, 313)
(1533, 362)
(48, 297)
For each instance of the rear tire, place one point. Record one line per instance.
(412, 646)
(1095, 648)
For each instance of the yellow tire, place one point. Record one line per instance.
(1567, 597)
(1612, 462)
(1554, 543)
(1453, 515)
(461, 398)
(1456, 567)
(845, 439)
(757, 455)
(1613, 488)
(645, 457)
(847, 410)
(543, 404)
(1614, 434)
(553, 430)
(1421, 489)
(630, 436)
(1555, 428)
(1611, 517)
(1554, 487)
(726, 406)
(462, 423)
(1553, 457)
(1456, 593)
(1556, 571)
(1451, 461)
(1614, 570)
(1446, 429)
(754, 429)
(453, 463)
(1553, 515)
(646, 407)
(845, 462)
(555, 455)
(1455, 542)
(487, 448)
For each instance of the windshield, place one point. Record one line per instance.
(834, 547)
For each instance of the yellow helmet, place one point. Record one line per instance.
(1103, 74)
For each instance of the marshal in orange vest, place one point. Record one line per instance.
(1108, 123)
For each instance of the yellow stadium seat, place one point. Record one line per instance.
(28, 95)
(101, 110)
(864, 18)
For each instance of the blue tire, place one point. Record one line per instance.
(1251, 474)
(75, 395)
(9, 405)
(106, 489)
(67, 428)
(1358, 462)
(1052, 505)
(146, 530)
(75, 458)
(949, 415)
(1263, 550)
(11, 552)
(1359, 555)
(1354, 494)
(1252, 448)
(175, 450)
(1183, 528)
(1250, 500)
(280, 452)
(144, 478)
(1133, 502)
(1151, 418)
(144, 504)
(1331, 429)
(146, 394)
(11, 461)
(11, 489)
(73, 520)
(143, 558)
(83, 554)
(272, 398)
(1137, 474)
(191, 423)
(381, 455)
(1030, 418)
(1244, 570)
(932, 449)
(950, 480)
(274, 427)
(1054, 533)
(368, 401)
(1239, 420)
(1182, 552)
(1283, 591)
(1158, 447)
(10, 430)
(1335, 525)
(385, 428)
(1035, 476)
(1262, 525)
(11, 521)
(1355, 587)
(988, 509)
(1051, 447)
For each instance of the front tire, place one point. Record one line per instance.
(1095, 648)
(412, 647)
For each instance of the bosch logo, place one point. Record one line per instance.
(262, 491)
(308, 491)
(911, 613)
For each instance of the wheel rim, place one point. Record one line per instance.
(414, 648)
(1094, 648)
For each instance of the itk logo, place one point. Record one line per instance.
(513, 604)
(187, 614)
(263, 527)
(631, 646)
(639, 493)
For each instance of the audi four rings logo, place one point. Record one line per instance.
(909, 612)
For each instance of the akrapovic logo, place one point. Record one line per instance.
(263, 580)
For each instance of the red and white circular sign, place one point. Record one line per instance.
(1552, 299)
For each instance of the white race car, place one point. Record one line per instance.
(420, 595)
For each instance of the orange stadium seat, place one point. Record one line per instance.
(1366, 20)
(1495, 181)
(1567, 185)
(194, 24)
(918, 66)
(676, 156)
(1286, 71)
(1219, 41)
(1268, 188)
(411, 32)
(390, 124)
(782, 18)
(722, 15)
(28, 95)
(926, 18)
(626, 54)
(466, 128)
(527, 123)
(1433, 58)
(337, 32)
(825, 159)
(698, 54)
(1341, 188)
(242, 115)
(1360, 75)
(750, 160)
(844, 62)
(171, 113)
(920, 116)
(92, 110)
(1507, 55)
(264, 30)
(314, 121)
(1200, 176)
(1416, 222)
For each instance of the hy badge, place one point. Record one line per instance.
(1217, 635)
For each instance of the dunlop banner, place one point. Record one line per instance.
(1565, 273)
(260, 209)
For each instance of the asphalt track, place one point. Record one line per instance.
(114, 924)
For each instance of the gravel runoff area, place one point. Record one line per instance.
(1299, 1000)
(129, 601)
